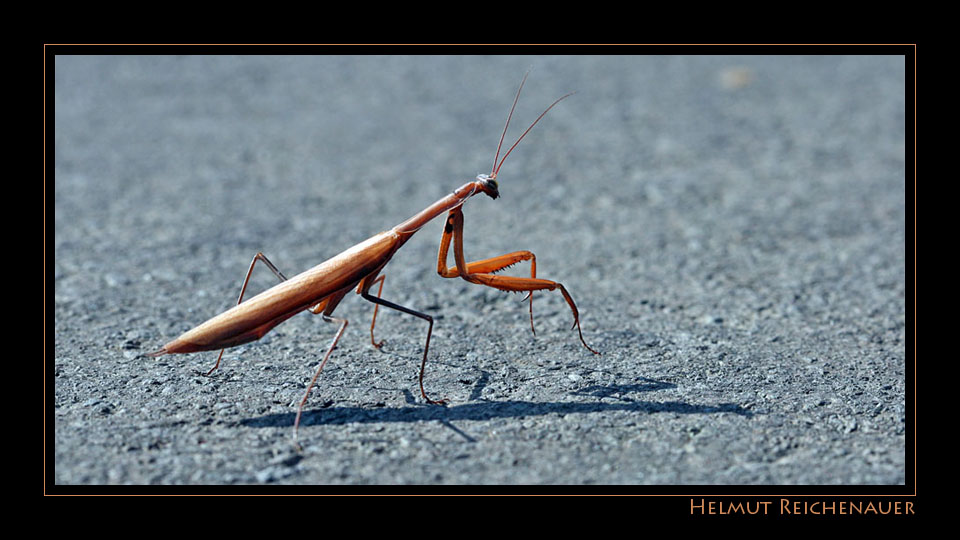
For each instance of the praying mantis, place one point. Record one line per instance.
(320, 289)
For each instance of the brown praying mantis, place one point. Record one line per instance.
(321, 288)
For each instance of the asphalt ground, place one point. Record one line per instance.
(731, 228)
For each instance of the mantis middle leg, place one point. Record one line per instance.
(364, 289)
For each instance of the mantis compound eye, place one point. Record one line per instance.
(489, 186)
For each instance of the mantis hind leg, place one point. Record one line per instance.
(258, 257)
(336, 338)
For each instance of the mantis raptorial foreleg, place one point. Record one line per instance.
(484, 266)
(481, 272)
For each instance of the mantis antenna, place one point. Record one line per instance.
(496, 167)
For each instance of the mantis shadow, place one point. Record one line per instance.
(487, 410)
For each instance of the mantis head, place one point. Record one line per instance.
(488, 185)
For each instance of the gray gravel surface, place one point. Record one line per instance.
(732, 229)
